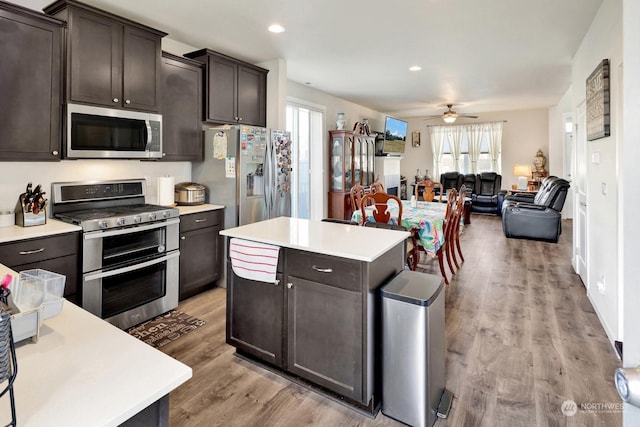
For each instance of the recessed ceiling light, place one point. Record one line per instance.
(415, 68)
(308, 83)
(276, 28)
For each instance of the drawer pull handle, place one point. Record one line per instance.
(201, 220)
(322, 270)
(34, 251)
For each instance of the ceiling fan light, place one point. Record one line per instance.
(449, 119)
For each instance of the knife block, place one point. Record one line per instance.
(25, 218)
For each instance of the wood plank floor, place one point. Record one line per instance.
(521, 338)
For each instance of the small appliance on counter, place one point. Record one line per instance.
(189, 193)
(30, 209)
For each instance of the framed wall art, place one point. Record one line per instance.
(415, 139)
(598, 119)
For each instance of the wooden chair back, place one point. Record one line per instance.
(428, 190)
(381, 211)
(357, 193)
(377, 187)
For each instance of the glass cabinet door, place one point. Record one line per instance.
(366, 174)
(337, 164)
(371, 153)
(357, 160)
(348, 164)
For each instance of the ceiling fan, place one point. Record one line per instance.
(450, 116)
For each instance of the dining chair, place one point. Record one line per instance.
(428, 190)
(357, 192)
(381, 211)
(458, 220)
(382, 219)
(377, 187)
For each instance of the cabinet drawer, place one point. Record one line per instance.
(326, 269)
(202, 219)
(34, 250)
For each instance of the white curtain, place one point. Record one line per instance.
(438, 134)
(474, 135)
(455, 142)
(495, 142)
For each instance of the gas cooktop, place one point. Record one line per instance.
(118, 216)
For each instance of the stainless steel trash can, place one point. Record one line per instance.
(413, 349)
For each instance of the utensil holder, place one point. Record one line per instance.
(8, 365)
(25, 218)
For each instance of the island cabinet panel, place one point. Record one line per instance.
(324, 336)
(31, 46)
(111, 61)
(255, 322)
(200, 251)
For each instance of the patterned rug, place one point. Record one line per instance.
(165, 328)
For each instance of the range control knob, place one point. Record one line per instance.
(103, 224)
(120, 221)
(152, 216)
(137, 219)
(166, 214)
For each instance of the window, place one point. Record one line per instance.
(447, 163)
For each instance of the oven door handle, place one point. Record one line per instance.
(101, 234)
(130, 268)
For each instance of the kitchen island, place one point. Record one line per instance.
(318, 322)
(83, 371)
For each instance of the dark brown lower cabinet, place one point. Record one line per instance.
(58, 253)
(200, 251)
(320, 324)
(258, 334)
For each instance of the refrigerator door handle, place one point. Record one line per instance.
(267, 179)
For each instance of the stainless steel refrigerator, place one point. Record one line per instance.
(248, 170)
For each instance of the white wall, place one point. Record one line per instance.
(525, 131)
(629, 229)
(557, 158)
(603, 40)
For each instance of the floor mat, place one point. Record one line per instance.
(165, 328)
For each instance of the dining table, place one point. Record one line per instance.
(426, 218)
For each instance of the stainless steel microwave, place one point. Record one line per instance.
(107, 133)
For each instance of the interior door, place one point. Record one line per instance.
(580, 237)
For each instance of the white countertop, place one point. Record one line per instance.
(185, 210)
(84, 371)
(53, 226)
(342, 240)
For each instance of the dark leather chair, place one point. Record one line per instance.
(469, 181)
(451, 180)
(487, 197)
(540, 219)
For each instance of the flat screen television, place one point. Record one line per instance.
(395, 136)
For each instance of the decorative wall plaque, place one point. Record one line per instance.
(598, 120)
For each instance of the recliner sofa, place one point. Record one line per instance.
(483, 189)
(537, 218)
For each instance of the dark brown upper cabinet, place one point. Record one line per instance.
(31, 46)
(181, 108)
(111, 61)
(235, 91)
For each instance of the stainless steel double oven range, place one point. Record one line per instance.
(130, 265)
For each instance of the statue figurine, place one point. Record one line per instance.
(539, 162)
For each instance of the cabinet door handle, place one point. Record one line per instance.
(277, 282)
(54, 152)
(201, 220)
(183, 237)
(322, 270)
(115, 99)
(34, 251)
(289, 285)
(127, 101)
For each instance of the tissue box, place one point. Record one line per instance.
(35, 296)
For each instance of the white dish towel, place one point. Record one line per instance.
(253, 260)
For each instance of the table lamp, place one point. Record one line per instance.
(523, 172)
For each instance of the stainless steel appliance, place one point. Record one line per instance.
(189, 193)
(130, 264)
(98, 132)
(248, 170)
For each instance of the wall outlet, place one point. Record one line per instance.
(601, 286)
(604, 188)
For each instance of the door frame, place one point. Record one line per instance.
(580, 259)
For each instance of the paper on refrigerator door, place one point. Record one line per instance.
(230, 167)
(220, 145)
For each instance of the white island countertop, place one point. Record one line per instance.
(342, 240)
(84, 371)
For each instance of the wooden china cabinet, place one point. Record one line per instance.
(351, 162)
